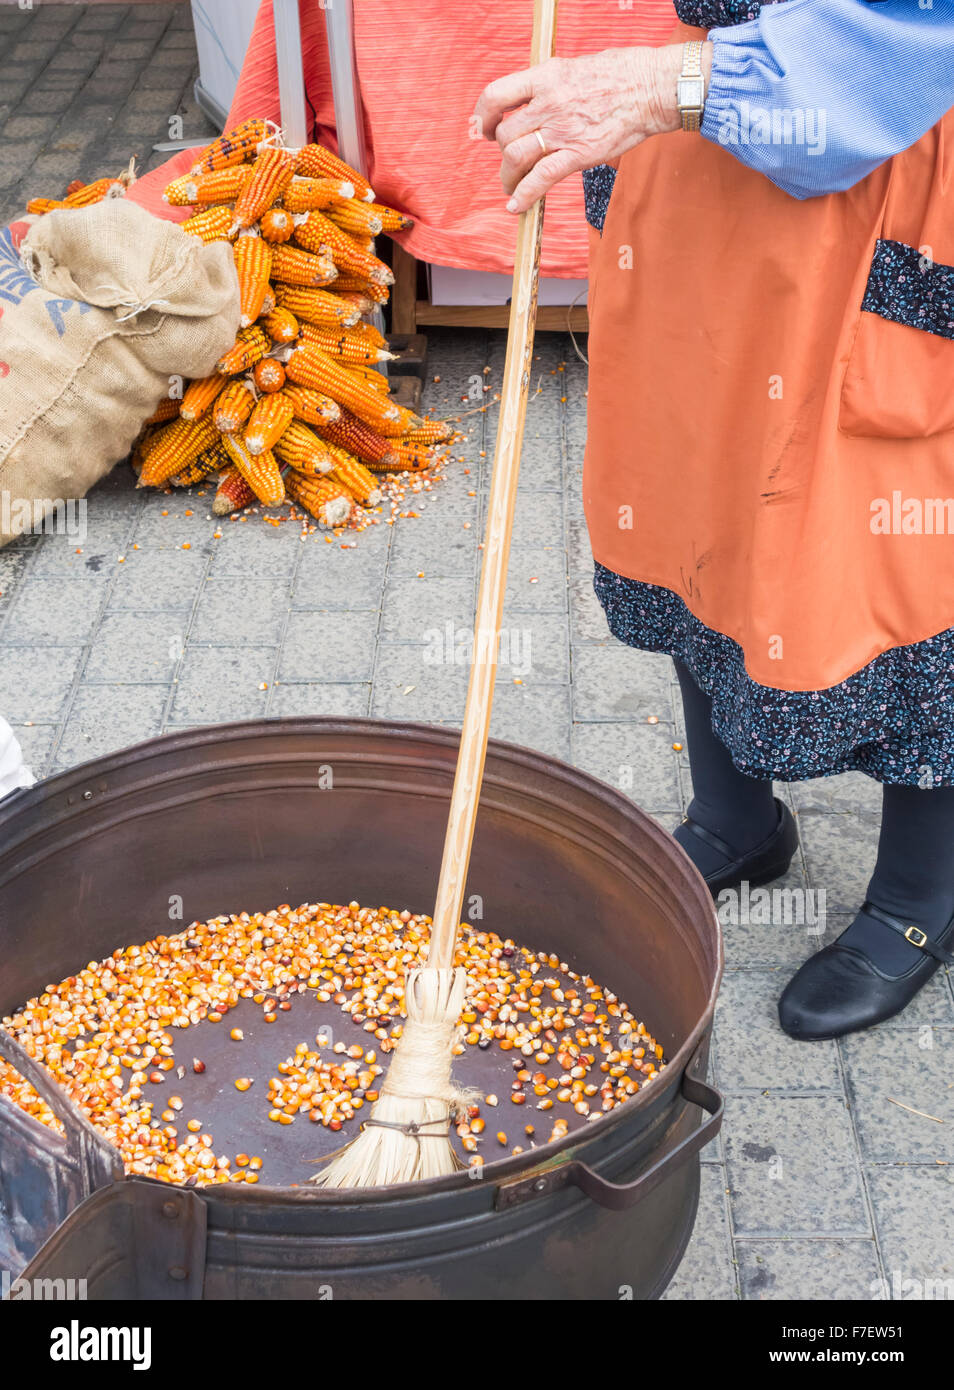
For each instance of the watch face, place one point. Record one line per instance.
(691, 92)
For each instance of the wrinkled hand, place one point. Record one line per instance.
(588, 110)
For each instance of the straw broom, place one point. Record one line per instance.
(407, 1136)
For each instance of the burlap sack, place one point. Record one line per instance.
(101, 308)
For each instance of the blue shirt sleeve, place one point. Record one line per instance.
(816, 93)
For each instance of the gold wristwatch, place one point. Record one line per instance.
(691, 87)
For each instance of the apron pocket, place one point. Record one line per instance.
(899, 383)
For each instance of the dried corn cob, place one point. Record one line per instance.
(293, 266)
(253, 262)
(327, 501)
(276, 225)
(316, 306)
(224, 186)
(356, 478)
(343, 346)
(268, 375)
(391, 219)
(281, 325)
(178, 193)
(200, 396)
(38, 206)
(267, 423)
(167, 409)
(211, 224)
(430, 432)
(234, 147)
(359, 439)
(371, 377)
(233, 407)
(357, 218)
(211, 460)
(310, 405)
(411, 458)
(318, 230)
(368, 334)
(271, 173)
(177, 445)
(233, 493)
(260, 471)
(305, 195)
(309, 366)
(95, 192)
(357, 285)
(302, 450)
(362, 302)
(317, 162)
(250, 345)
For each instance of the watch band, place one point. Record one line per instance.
(690, 88)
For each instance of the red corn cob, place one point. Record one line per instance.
(352, 434)
(233, 493)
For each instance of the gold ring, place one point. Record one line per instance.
(543, 143)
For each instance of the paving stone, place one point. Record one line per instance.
(137, 647)
(330, 578)
(780, 927)
(426, 612)
(218, 684)
(849, 791)
(911, 1066)
(104, 719)
(829, 1270)
(914, 1217)
(53, 611)
(534, 650)
(707, 1271)
(840, 852)
(240, 610)
(614, 683)
(251, 548)
(437, 543)
(328, 647)
(97, 559)
(634, 759)
(343, 701)
(406, 690)
(533, 717)
(35, 682)
(167, 581)
(587, 618)
(579, 550)
(36, 744)
(756, 1053)
(536, 581)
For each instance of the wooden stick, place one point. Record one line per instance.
(493, 577)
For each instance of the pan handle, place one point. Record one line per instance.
(621, 1196)
(97, 1161)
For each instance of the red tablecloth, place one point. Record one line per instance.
(421, 67)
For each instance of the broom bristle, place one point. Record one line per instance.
(407, 1135)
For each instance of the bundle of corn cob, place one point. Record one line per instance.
(295, 409)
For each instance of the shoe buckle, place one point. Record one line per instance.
(916, 936)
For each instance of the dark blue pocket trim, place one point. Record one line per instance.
(717, 14)
(905, 287)
(597, 187)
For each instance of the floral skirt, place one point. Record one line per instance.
(893, 720)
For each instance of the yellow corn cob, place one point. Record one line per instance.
(250, 345)
(317, 162)
(372, 377)
(199, 396)
(38, 206)
(176, 446)
(94, 192)
(344, 346)
(309, 366)
(260, 471)
(178, 193)
(276, 225)
(318, 230)
(268, 303)
(411, 458)
(232, 494)
(367, 333)
(167, 409)
(356, 478)
(281, 325)
(209, 461)
(391, 220)
(268, 375)
(357, 438)
(211, 224)
(234, 147)
(302, 450)
(310, 405)
(356, 218)
(357, 285)
(316, 306)
(430, 432)
(293, 266)
(233, 407)
(267, 423)
(304, 195)
(253, 262)
(224, 186)
(271, 173)
(327, 501)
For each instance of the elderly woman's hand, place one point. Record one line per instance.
(587, 111)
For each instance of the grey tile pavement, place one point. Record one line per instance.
(826, 1180)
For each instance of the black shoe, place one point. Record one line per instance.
(765, 862)
(840, 990)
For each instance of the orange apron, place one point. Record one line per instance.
(758, 444)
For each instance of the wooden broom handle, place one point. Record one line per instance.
(493, 576)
